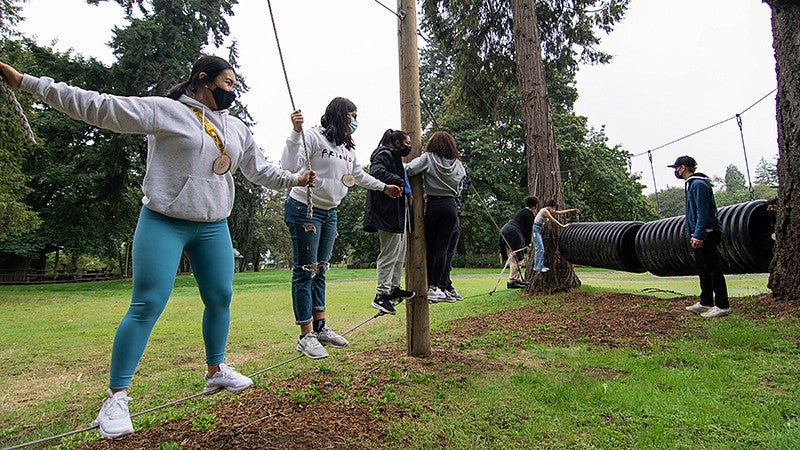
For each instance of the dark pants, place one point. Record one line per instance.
(709, 269)
(441, 236)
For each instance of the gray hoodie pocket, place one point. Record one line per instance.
(205, 200)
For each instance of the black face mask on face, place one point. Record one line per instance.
(678, 175)
(405, 150)
(224, 99)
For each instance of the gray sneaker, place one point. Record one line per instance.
(716, 312)
(328, 337)
(309, 345)
(697, 308)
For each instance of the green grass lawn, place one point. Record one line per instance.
(733, 384)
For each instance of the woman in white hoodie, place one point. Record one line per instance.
(443, 176)
(328, 149)
(193, 147)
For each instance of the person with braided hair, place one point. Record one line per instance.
(193, 148)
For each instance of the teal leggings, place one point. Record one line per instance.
(157, 246)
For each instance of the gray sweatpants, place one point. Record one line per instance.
(390, 261)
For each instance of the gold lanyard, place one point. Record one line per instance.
(223, 163)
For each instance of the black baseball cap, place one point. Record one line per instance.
(687, 161)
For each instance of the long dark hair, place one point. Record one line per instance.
(390, 136)
(335, 124)
(211, 65)
(443, 144)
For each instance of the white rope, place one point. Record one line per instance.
(15, 106)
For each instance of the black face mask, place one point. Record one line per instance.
(223, 98)
(405, 150)
(677, 175)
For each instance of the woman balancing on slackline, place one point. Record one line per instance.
(193, 147)
(330, 150)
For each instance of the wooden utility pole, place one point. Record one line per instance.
(418, 336)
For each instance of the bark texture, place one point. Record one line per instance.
(785, 277)
(544, 176)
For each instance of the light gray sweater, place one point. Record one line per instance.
(179, 181)
(442, 177)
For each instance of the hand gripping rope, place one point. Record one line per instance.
(309, 186)
(15, 106)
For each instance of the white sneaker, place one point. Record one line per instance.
(716, 312)
(114, 419)
(309, 345)
(545, 269)
(697, 308)
(227, 377)
(448, 296)
(435, 295)
(328, 337)
(453, 293)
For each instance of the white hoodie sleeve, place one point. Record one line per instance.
(293, 157)
(137, 115)
(364, 179)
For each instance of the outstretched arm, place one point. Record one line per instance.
(546, 213)
(10, 75)
(567, 211)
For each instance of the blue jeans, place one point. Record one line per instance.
(538, 245)
(312, 245)
(157, 246)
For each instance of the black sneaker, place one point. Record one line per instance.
(515, 285)
(383, 304)
(397, 295)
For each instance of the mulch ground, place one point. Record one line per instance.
(270, 419)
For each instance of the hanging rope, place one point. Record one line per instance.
(655, 187)
(309, 186)
(627, 192)
(746, 164)
(8, 94)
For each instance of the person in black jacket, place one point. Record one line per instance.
(515, 237)
(387, 216)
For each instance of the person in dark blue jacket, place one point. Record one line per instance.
(705, 233)
(387, 216)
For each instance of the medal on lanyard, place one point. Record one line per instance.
(223, 163)
(348, 180)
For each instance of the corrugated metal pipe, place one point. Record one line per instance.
(662, 247)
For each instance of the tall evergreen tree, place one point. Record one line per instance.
(86, 181)
(785, 277)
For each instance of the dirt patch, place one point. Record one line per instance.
(323, 410)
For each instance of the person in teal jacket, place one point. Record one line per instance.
(705, 234)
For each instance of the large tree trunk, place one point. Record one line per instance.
(785, 277)
(544, 176)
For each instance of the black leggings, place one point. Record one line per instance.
(441, 237)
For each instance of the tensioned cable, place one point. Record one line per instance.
(586, 168)
(175, 402)
(400, 16)
(309, 186)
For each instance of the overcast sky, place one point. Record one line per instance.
(679, 66)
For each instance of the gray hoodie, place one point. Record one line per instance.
(179, 181)
(443, 177)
